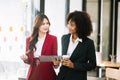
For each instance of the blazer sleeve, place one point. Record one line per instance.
(90, 59)
(30, 55)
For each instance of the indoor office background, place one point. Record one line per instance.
(17, 16)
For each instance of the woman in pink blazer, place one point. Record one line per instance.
(38, 44)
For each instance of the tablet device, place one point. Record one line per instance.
(48, 58)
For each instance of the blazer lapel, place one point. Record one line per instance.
(45, 45)
(76, 50)
(65, 45)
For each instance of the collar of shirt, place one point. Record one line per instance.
(78, 39)
(42, 37)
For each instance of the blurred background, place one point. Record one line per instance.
(16, 20)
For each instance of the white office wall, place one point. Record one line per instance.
(55, 10)
(75, 5)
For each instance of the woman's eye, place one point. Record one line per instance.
(45, 24)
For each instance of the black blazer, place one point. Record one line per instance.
(83, 57)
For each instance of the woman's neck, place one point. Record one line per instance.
(74, 37)
(41, 34)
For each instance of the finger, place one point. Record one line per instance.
(21, 57)
(26, 57)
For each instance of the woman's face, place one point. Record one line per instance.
(45, 26)
(71, 27)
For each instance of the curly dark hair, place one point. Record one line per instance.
(34, 36)
(82, 21)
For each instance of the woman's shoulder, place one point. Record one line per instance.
(51, 36)
(66, 36)
(28, 38)
(88, 40)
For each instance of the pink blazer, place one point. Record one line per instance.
(49, 48)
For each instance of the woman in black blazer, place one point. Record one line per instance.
(78, 46)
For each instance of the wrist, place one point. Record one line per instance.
(25, 60)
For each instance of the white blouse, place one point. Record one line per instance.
(39, 46)
(72, 45)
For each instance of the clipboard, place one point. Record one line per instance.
(48, 58)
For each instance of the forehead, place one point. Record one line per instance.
(71, 21)
(45, 20)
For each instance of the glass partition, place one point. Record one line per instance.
(105, 29)
(118, 34)
(15, 18)
(99, 11)
(92, 9)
